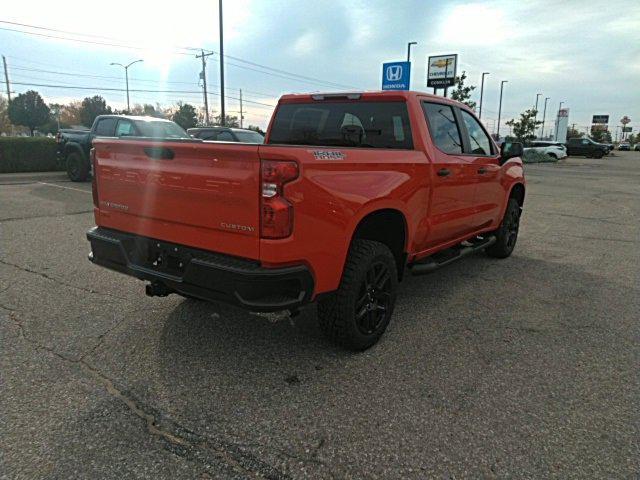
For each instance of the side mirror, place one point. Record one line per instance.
(510, 150)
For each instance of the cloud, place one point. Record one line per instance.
(307, 44)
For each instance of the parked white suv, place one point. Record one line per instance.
(553, 149)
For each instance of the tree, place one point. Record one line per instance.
(91, 108)
(70, 113)
(5, 124)
(229, 121)
(28, 109)
(462, 93)
(573, 133)
(185, 115)
(524, 129)
(255, 128)
(601, 135)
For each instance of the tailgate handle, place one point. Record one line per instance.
(159, 153)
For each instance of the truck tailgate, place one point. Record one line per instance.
(204, 195)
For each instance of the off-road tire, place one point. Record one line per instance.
(337, 312)
(77, 167)
(507, 234)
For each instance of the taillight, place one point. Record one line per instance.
(94, 175)
(276, 212)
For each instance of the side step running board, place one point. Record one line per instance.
(432, 263)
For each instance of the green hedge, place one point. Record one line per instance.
(28, 154)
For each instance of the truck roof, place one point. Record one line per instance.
(139, 118)
(365, 95)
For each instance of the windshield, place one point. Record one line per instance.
(160, 129)
(343, 124)
(248, 136)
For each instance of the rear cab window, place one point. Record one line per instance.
(357, 124)
(105, 127)
(125, 128)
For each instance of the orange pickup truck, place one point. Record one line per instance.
(347, 192)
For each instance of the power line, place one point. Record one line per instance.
(93, 42)
(113, 89)
(103, 37)
(119, 79)
(294, 76)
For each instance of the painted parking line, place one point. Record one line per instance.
(66, 188)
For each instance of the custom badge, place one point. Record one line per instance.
(328, 155)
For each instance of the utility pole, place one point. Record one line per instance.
(544, 115)
(241, 117)
(481, 93)
(500, 106)
(222, 112)
(6, 77)
(203, 77)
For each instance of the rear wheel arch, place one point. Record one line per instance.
(389, 227)
(517, 192)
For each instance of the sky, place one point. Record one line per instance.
(584, 53)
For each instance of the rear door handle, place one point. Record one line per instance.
(443, 172)
(159, 153)
(482, 170)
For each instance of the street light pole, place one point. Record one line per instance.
(500, 106)
(222, 112)
(409, 50)
(409, 60)
(558, 120)
(544, 115)
(535, 119)
(481, 93)
(126, 76)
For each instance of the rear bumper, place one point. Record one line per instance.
(202, 274)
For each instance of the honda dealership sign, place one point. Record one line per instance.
(441, 71)
(396, 75)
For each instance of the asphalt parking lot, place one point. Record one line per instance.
(519, 368)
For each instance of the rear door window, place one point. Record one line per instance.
(359, 124)
(478, 139)
(443, 127)
(105, 127)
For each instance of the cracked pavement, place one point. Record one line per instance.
(518, 368)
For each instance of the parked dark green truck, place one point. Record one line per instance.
(74, 145)
(587, 147)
